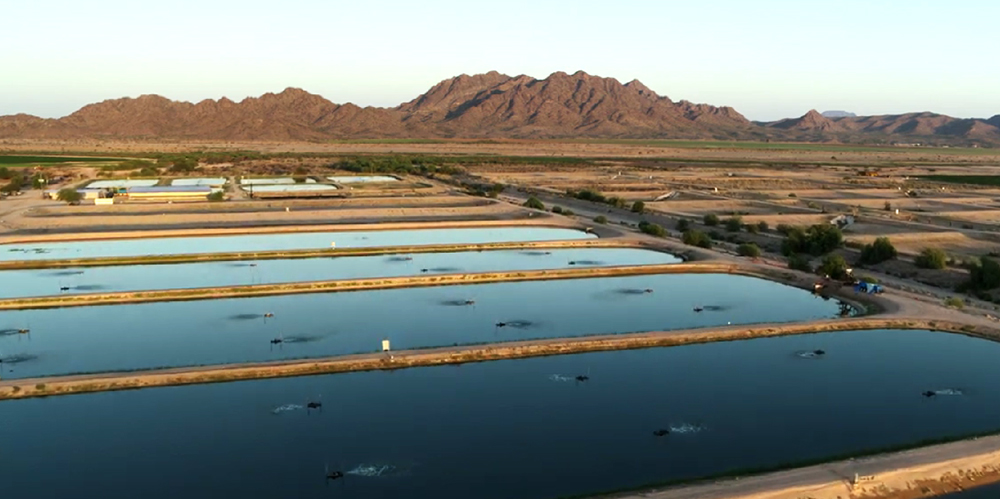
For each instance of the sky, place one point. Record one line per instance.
(769, 59)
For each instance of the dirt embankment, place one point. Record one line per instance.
(922, 472)
(153, 232)
(130, 297)
(63, 385)
(314, 253)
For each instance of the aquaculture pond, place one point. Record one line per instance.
(518, 428)
(194, 275)
(991, 491)
(282, 241)
(127, 337)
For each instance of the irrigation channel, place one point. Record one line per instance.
(42, 282)
(514, 428)
(281, 241)
(207, 332)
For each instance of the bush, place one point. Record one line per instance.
(149, 171)
(878, 252)
(734, 224)
(799, 262)
(750, 228)
(683, 225)
(834, 266)
(711, 220)
(931, 258)
(534, 203)
(557, 209)
(638, 207)
(887, 206)
(652, 229)
(984, 274)
(791, 194)
(69, 196)
(816, 240)
(184, 165)
(568, 212)
(696, 238)
(954, 302)
(748, 249)
(601, 219)
(762, 226)
(217, 196)
(40, 387)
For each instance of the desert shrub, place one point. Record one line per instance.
(652, 229)
(954, 302)
(638, 207)
(69, 196)
(601, 219)
(534, 203)
(799, 262)
(217, 196)
(711, 220)
(683, 225)
(817, 240)
(696, 238)
(878, 251)
(834, 266)
(183, 164)
(748, 249)
(734, 224)
(931, 258)
(762, 226)
(568, 212)
(750, 228)
(557, 209)
(984, 274)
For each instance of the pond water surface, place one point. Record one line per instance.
(143, 336)
(508, 429)
(22, 283)
(282, 241)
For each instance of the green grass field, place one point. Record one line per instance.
(9, 160)
(964, 179)
(388, 141)
(788, 146)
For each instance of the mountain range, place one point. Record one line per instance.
(480, 106)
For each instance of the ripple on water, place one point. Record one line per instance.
(286, 408)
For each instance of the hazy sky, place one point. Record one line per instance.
(767, 58)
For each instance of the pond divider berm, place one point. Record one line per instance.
(414, 281)
(88, 383)
(316, 253)
(542, 222)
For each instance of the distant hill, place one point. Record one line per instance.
(485, 105)
(838, 114)
(929, 127)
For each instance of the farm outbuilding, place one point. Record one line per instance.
(166, 193)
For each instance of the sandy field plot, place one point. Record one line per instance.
(721, 207)
(911, 243)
